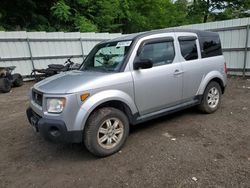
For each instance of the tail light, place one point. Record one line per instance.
(225, 68)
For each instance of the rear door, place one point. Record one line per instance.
(193, 67)
(160, 86)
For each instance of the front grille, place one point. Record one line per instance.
(37, 97)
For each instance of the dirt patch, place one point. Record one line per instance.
(186, 149)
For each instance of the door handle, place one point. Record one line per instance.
(178, 72)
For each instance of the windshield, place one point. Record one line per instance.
(107, 57)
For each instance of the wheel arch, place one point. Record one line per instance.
(220, 82)
(212, 76)
(116, 99)
(118, 104)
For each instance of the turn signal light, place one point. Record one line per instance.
(84, 96)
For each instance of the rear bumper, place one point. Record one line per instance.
(53, 130)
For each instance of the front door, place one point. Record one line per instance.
(158, 87)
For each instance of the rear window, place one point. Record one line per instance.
(189, 49)
(210, 46)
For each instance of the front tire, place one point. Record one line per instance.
(106, 131)
(211, 99)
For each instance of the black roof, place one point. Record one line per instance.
(144, 34)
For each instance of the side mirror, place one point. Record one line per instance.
(143, 64)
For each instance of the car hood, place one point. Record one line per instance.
(70, 82)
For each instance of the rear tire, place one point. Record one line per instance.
(5, 85)
(18, 80)
(106, 131)
(211, 99)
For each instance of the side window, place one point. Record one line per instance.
(160, 53)
(189, 49)
(210, 46)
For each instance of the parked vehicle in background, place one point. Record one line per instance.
(126, 81)
(8, 80)
(54, 69)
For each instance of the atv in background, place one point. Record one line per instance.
(7, 79)
(53, 69)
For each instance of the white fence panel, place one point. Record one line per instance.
(27, 50)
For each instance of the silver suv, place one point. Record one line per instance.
(126, 81)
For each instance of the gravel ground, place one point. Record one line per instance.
(186, 149)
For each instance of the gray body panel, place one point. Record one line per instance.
(157, 88)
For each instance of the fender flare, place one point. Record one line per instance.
(99, 98)
(210, 76)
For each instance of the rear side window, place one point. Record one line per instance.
(160, 53)
(210, 46)
(188, 49)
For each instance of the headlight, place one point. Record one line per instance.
(55, 105)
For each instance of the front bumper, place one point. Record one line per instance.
(53, 130)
